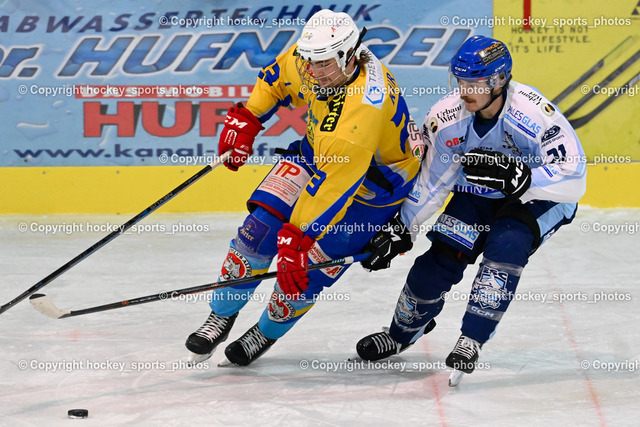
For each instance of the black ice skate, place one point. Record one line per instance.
(203, 342)
(381, 345)
(463, 358)
(248, 347)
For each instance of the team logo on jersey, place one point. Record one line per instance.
(548, 109)
(490, 287)
(280, 310)
(335, 109)
(235, 266)
(510, 144)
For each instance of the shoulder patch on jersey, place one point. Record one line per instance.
(528, 110)
(433, 124)
(531, 95)
(374, 90)
(330, 121)
(416, 140)
(446, 111)
(548, 109)
(550, 133)
(448, 114)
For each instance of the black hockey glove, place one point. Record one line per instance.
(498, 171)
(393, 240)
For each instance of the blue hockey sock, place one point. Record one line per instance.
(492, 291)
(226, 302)
(421, 299)
(282, 313)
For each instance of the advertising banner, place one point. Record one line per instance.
(148, 83)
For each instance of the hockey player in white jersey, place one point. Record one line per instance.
(516, 169)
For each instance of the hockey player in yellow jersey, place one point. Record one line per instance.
(330, 192)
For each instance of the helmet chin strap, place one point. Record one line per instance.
(355, 49)
(496, 96)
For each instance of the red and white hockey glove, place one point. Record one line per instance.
(293, 260)
(240, 130)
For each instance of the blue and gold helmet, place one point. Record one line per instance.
(481, 58)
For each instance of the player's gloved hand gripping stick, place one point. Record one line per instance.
(293, 246)
(240, 130)
(394, 239)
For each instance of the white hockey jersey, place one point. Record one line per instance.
(529, 128)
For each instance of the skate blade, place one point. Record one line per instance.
(455, 377)
(195, 358)
(225, 363)
(355, 359)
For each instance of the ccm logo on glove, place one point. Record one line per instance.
(292, 260)
(240, 130)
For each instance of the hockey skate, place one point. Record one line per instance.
(203, 342)
(381, 345)
(248, 347)
(462, 358)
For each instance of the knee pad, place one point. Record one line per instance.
(434, 272)
(510, 241)
(250, 253)
(518, 212)
(257, 236)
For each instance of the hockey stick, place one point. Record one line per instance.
(604, 83)
(43, 304)
(115, 233)
(581, 121)
(591, 71)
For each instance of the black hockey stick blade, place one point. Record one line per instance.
(44, 305)
(581, 121)
(604, 83)
(115, 233)
(591, 71)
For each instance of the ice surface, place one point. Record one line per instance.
(126, 366)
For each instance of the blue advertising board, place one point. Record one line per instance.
(87, 83)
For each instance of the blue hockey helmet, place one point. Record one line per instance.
(481, 58)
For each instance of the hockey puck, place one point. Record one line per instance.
(78, 413)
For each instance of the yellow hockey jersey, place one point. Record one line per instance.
(357, 138)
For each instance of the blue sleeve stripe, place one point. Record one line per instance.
(324, 219)
(281, 103)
